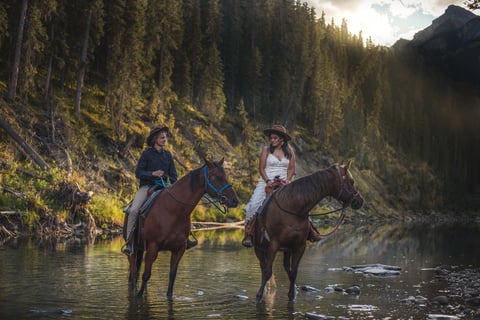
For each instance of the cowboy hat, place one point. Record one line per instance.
(278, 130)
(153, 134)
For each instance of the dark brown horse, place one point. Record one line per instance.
(284, 223)
(167, 225)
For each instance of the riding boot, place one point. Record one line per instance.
(191, 243)
(128, 249)
(313, 234)
(249, 227)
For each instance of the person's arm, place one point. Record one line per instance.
(262, 164)
(172, 171)
(291, 166)
(141, 171)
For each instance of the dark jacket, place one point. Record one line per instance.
(153, 160)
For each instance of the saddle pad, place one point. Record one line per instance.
(261, 209)
(149, 202)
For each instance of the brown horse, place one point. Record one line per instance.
(167, 225)
(283, 225)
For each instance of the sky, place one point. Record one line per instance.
(385, 21)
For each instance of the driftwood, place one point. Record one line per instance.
(201, 226)
(10, 225)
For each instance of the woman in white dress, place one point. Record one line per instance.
(277, 162)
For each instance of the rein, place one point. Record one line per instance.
(325, 213)
(222, 209)
(340, 220)
(219, 192)
(179, 201)
(339, 223)
(208, 184)
(285, 210)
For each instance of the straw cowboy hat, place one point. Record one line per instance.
(153, 134)
(278, 130)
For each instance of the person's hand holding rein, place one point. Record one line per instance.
(158, 173)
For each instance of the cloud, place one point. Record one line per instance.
(385, 21)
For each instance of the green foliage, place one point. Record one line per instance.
(107, 208)
(30, 218)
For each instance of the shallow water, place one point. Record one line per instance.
(219, 278)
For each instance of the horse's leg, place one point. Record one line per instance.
(266, 265)
(174, 261)
(294, 260)
(150, 257)
(139, 261)
(133, 275)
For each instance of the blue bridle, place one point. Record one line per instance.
(208, 184)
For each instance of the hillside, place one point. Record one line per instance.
(109, 172)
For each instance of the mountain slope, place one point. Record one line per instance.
(451, 43)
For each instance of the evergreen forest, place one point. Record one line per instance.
(83, 82)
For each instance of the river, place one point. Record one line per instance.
(219, 278)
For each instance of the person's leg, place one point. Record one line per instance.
(249, 229)
(133, 211)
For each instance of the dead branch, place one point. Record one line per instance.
(25, 147)
(17, 194)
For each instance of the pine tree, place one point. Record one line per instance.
(211, 97)
(12, 87)
(126, 29)
(94, 15)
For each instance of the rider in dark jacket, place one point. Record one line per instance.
(155, 167)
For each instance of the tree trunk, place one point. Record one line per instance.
(18, 52)
(50, 62)
(26, 148)
(83, 63)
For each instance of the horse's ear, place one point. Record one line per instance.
(347, 166)
(208, 162)
(220, 163)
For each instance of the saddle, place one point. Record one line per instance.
(277, 183)
(153, 194)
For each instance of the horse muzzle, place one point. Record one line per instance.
(231, 203)
(357, 202)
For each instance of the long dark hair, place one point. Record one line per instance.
(285, 147)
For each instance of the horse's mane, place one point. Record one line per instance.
(195, 175)
(195, 178)
(307, 189)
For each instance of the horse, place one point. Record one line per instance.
(167, 224)
(283, 223)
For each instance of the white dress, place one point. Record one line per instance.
(273, 167)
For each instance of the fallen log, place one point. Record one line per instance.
(24, 146)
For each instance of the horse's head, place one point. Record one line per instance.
(347, 193)
(217, 185)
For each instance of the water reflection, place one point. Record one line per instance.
(219, 278)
